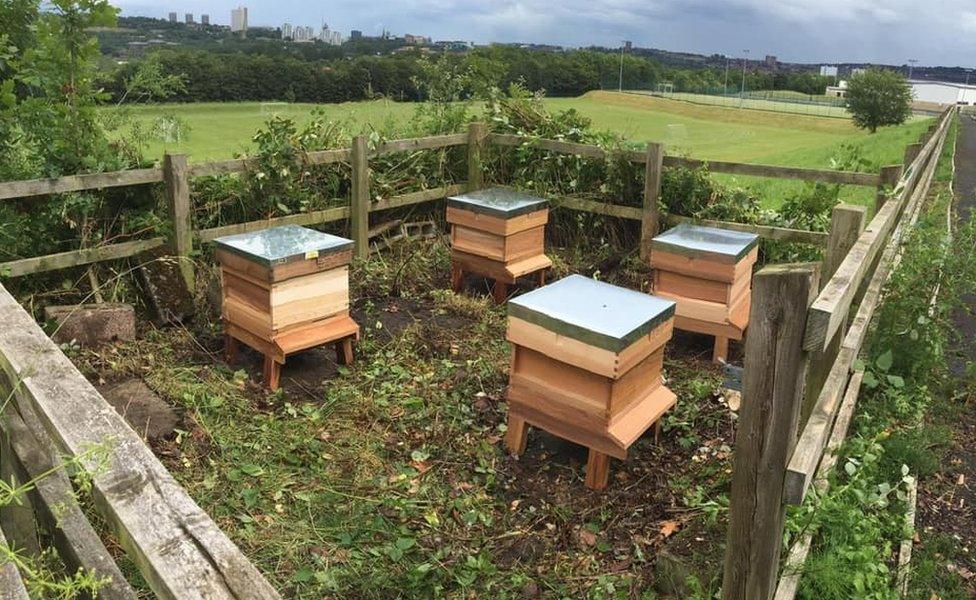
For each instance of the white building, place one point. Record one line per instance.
(287, 31)
(333, 38)
(940, 92)
(828, 70)
(238, 20)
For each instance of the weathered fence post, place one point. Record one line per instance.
(359, 203)
(176, 177)
(846, 224)
(890, 174)
(653, 172)
(775, 370)
(911, 151)
(17, 518)
(476, 140)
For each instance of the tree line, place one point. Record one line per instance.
(266, 73)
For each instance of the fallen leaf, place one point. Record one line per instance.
(961, 480)
(586, 537)
(734, 400)
(669, 527)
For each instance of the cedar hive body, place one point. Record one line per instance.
(498, 232)
(285, 289)
(708, 273)
(586, 362)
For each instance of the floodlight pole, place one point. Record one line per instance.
(725, 90)
(620, 81)
(911, 67)
(742, 88)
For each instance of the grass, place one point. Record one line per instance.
(221, 130)
(389, 478)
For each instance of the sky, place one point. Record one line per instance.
(934, 32)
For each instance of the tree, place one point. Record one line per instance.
(878, 97)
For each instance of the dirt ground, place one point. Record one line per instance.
(947, 502)
(659, 525)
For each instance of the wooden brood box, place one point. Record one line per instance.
(708, 272)
(286, 289)
(498, 233)
(586, 366)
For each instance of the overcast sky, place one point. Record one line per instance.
(936, 32)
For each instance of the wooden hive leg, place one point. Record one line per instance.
(517, 435)
(499, 291)
(721, 351)
(230, 348)
(457, 277)
(272, 373)
(542, 277)
(343, 350)
(657, 430)
(597, 470)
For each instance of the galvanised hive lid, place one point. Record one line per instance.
(593, 312)
(695, 240)
(280, 245)
(498, 202)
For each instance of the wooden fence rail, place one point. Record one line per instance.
(828, 344)
(176, 174)
(178, 549)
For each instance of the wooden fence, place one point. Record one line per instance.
(177, 175)
(54, 412)
(800, 384)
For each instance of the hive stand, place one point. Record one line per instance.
(285, 290)
(500, 234)
(586, 366)
(708, 273)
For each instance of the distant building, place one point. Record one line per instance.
(828, 71)
(173, 17)
(287, 31)
(837, 91)
(303, 34)
(770, 62)
(328, 36)
(188, 18)
(453, 45)
(238, 20)
(205, 19)
(415, 40)
(355, 34)
(940, 92)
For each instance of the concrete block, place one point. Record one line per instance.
(90, 325)
(151, 417)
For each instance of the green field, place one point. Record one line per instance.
(222, 130)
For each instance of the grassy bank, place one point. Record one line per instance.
(221, 130)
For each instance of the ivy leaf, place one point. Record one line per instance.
(869, 380)
(885, 361)
(896, 381)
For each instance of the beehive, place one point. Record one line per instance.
(586, 366)
(498, 233)
(284, 290)
(708, 272)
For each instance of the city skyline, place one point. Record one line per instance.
(808, 31)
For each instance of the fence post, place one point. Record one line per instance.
(911, 151)
(359, 203)
(476, 140)
(653, 172)
(775, 370)
(890, 174)
(177, 179)
(846, 224)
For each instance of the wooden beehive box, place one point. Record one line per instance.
(499, 233)
(586, 366)
(286, 289)
(708, 272)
